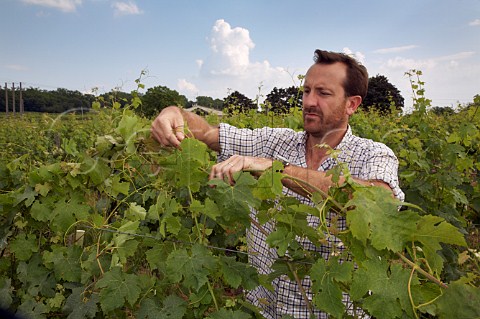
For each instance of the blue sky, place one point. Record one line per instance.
(210, 47)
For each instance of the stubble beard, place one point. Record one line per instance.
(321, 130)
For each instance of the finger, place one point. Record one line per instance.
(230, 167)
(214, 173)
(179, 132)
(163, 130)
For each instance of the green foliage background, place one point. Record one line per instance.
(98, 221)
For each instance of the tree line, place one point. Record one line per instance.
(382, 96)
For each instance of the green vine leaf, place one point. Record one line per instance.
(325, 277)
(6, 297)
(187, 167)
(172, 307)
(459, 301)
(234, 201)
(65, 261)
(35, 278)
(280, 239)
(96, 169)
(433, 230)
(79, 307)
(382, 288)
(269, 184)
(41, 211)
(229, 314)
(117, 287)
(23, 246)
(135, 212)
(115, 186)
(236, 273)
(375, 216)
(193, 268)
(28, 196)
(165, 210)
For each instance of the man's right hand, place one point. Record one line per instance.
(168, 127)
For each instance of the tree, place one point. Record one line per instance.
(236, 101)
(381, 94)
(57, 101)
(158, 98)
(122, 98)
(281, 100)
(207, 101)
(442, 110)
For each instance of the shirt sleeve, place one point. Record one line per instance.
(260, 142)
(382, 164)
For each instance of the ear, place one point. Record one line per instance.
(353, 102)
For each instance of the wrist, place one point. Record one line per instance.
(284, 161)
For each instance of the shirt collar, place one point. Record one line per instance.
(345, 140)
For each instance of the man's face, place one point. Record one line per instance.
(325, 108)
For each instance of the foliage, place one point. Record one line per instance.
(207, 101)
(444, 111)
(236, 102)
(158, 98)
(116, 227)
(382, 96)
(281, 100)
(37, 100)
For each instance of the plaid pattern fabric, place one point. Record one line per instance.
(365, 159)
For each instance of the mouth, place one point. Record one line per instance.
(310, 112)
(307, 115)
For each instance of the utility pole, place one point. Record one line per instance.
(21, 100)
(13, 97)
(6, 98)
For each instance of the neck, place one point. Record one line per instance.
(317, 147)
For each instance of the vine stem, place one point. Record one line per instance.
(300, 287)
(409, 288)
(316, 189)
(200, 233)
(98, 255)
(421, 271)
(213, 295)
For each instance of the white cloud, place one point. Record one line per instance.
(17, 67)
(230, 50)
(438, 74)
(456, 56)
(359, 56)
(228, 67)
(125, 8)
(62, 5)
(187, 88)
(475, 22)
(396, 49)
(408, 64)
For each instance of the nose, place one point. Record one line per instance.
(308, 100)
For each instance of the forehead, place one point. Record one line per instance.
(326, 74)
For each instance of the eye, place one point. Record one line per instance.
(324, 93)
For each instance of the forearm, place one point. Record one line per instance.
(171, 125)
(201, 130)
(306, 181)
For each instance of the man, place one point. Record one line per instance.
(333, 89)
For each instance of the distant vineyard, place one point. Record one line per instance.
(98, 221)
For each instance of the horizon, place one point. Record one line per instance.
(243, 46)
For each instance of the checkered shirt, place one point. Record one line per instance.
(366, 159)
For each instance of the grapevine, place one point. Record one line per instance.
(106, 223)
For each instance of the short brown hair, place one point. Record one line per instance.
(356, 82)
